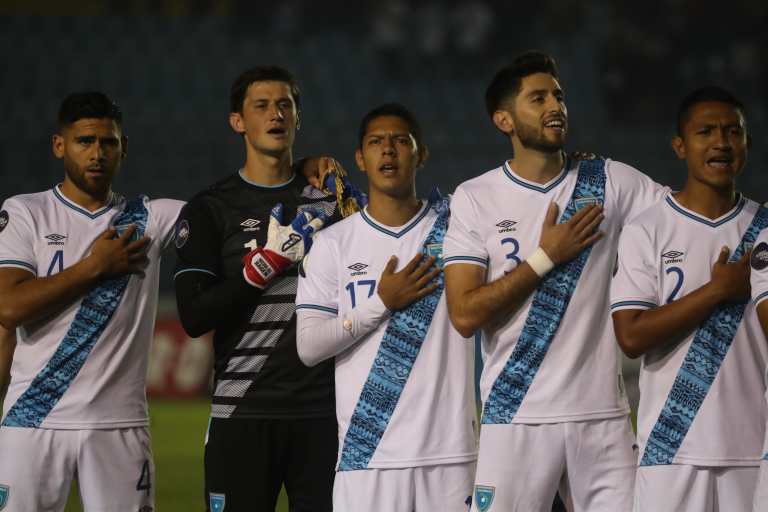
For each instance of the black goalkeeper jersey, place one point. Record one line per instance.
(257, 371)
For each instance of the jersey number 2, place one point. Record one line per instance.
(680, 276)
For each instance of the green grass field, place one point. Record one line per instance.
(178, 431)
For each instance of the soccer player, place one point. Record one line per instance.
(372, 298)
(525, 263)
(79, 270)
(272, 418)
(759, 283)
(679, 300)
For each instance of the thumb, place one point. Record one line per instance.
(722, 258)
(551, 217)
(391, 266)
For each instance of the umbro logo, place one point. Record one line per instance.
(56, 239)
(250, 225)
(506, 226)
(672, 256)
(358, 269)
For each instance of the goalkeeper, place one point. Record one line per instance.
(272, 419)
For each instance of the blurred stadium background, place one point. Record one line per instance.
(170, 63)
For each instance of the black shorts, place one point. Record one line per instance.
(247, 461)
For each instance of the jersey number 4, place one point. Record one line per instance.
(57, 263)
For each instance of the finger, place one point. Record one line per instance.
(583, 212)
(125, 237)
(551, 218)
(587, 218)
(139, 245)
(316, 224)
(426, 291)
(426, 264)
(592, 239)
(722, 258)
(588, 229)
(391, 265)
(427, 278)
(745, 257)
(109, 234)
(413, 264)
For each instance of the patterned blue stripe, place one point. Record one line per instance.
(546, 189)
(703, 220)
(484, 261)
(633, 303)
(396, 234)
(20, 264)
(392, 366)
(94, 215)
(317, 307)
(95, 312)
(702, 362)
(204, 271)
(760, 297)
(550, 302)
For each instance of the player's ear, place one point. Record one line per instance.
(57, 144)
(504, 122)
(359, 159)
(236, 122)
(423, 155)
(678, 147)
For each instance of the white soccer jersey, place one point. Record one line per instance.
(759, 282)
(496, 223)
(666, 253)
(434, 419)
(84, 365)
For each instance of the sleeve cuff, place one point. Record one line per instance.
(761, 297)
(472, 260)
(19, 264)
(317, 307)
(632, 304)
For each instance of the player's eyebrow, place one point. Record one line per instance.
(384, 134)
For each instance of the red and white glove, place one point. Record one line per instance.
(285, 246)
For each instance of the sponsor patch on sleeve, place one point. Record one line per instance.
(182, 233)
(759, 258)
(3, 220)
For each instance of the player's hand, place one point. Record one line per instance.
(317, 169)
(731, 280)
(285, 246)
(414, 281)
(113, 255)
(563, 242)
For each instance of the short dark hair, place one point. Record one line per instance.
(391, 109)
(260, 74)
(702, 95)
(88, 105)
(508, 80)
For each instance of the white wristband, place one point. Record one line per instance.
(540, 262)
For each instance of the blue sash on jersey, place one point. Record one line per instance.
(702, 362)
(394, 360)
(91, 319)
(550, 302)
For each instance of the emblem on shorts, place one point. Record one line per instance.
(217, 502)
(581, 202)
(182, 233)
(759, 259)
(484, 497)
(3, 220)
(5, 491)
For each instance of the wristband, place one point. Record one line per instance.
(540, 262)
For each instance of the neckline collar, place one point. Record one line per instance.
(729, 215)
(260, 185)
(396, 231)
(74, 206)
(532, 185)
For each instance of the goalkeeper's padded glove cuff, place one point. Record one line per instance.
(261, 266)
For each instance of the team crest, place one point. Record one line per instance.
(182, 233)
(581, 202)
(3, 220)
(217, 502)
(759, 259)
(484, 497)
(121, 229)
(5, 491)
(436, 250)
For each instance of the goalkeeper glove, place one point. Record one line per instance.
(285, 246)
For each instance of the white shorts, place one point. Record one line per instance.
(114, 469)
(683, 488)
(521, 467)
(761, 493)
(444, 488)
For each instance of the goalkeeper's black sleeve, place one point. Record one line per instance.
(206, 303)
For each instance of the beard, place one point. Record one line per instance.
(531, 138)
(95, 188)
